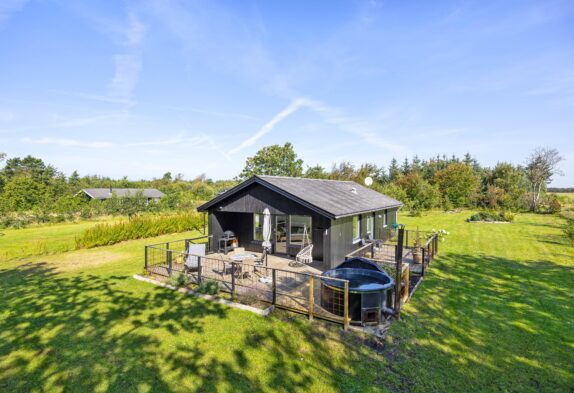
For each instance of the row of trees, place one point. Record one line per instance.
(441, 181)
(33, 191)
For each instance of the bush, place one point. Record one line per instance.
(179, 281)
(209, 287)
(138, 227)
(490, 216)
(568, 230)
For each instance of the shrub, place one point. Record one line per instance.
(179, 281)
(491, 216)
(568, 230)
(138, 227)
(209, 287)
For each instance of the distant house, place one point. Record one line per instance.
(151, 194)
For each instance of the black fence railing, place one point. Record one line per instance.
(250, 282)
(412, 257)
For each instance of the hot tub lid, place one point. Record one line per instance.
(360, 280)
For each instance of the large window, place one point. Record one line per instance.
(356, 228)
(297, 229)
(258, 227)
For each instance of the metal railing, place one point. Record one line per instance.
(294, 291)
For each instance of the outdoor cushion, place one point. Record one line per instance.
(194, 251)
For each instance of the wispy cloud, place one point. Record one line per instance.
(179, 139)
(9, 7)
(68, 142)
(268, 127)
(329, 115)
(128, 64)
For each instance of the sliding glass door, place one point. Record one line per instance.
(281, 234)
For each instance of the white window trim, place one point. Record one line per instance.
(385, 221)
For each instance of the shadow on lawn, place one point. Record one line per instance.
(491, 324)
(87, 333)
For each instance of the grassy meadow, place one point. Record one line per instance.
(495, 313)
(43, 239)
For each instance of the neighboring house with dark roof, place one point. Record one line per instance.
(151, 194)
(337, 215)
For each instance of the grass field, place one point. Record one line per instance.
(43, 239)
(495, 313)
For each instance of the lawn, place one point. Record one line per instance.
(42, 239)
(495, 313)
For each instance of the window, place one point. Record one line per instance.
(258, 227)
(356, 227)
(370, 224)
(297, 229)
(385, 219)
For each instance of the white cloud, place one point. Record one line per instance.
(268, 127)
(330, 115)
(135, 31)
(126, 77)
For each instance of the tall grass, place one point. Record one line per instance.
(139, 227)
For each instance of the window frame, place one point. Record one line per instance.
(357, 228)
(255, 219)
(309, 230)
(370, 228)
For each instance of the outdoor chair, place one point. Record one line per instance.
(194, 252)
(305, 255)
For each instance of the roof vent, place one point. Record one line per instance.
(354, 190)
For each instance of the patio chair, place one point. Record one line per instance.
(305, 255)
(194, 252)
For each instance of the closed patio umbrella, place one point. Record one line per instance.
(266, 232)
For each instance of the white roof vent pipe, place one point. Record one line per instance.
(354, 190)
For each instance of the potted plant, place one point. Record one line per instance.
(417, 252)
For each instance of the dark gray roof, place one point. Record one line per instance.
(332, 198)
(104, 193)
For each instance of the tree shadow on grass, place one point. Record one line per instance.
(486, 323)
(90, 333)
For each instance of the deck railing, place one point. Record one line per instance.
(385, 252)
(294, 291)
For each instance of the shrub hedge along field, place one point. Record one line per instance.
(139, 227)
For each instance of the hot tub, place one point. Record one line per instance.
(368, 290)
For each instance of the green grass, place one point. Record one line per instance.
(42, 239)
(495, 313)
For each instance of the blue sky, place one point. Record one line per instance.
(141, 88)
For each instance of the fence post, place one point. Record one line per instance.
(346, 306)
(232, 278)
(311, 297)
(373, 250)
(199, 270)
(407, 241)
(423, 265)
(436, 244)
(169, 262)
(146, 260)
(399, 268)
(274, 286)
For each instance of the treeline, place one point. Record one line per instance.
(32, 191)
(446, 182)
